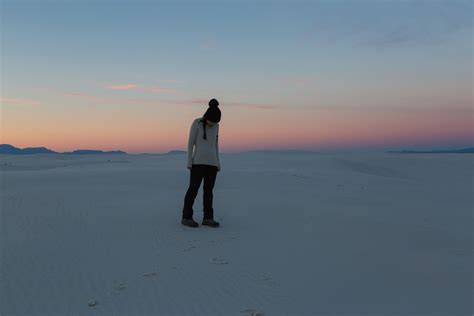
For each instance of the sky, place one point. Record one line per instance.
(315, 75)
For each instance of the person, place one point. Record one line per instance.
(203, 163)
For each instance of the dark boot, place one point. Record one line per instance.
(210, 222)
(189, 222)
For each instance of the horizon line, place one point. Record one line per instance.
(335, 149)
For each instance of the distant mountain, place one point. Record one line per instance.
(282, 151)
(89, 151)
(12, 150)
(469, 150)
(176, 152)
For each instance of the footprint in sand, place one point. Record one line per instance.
(150, 274)
(118, 286)
(268, 280)
(265, 277)
(251, 312)
(216, 260)
(189, 248)
(92, 303)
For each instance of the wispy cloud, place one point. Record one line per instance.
(117, 100)
(388, 24)
(392, 38)
(204, 102)
(84, 96)
(123, 86)
(18, 101)
(141, 101)
(437, 21)
(157, 88)
(171, 81)
(401, 35)
(130, 86)
(356, 107)
(190, 102)
(252, 105)
(111, 100)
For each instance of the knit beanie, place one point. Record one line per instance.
(212, 114)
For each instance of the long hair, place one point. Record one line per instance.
(203, 121)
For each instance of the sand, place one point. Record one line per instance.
(301, 234)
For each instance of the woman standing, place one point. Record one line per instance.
(204, 164)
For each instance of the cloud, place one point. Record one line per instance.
(252, 105)
(374, 108)
(190, 102)
(140, 101)
(204, 102)
(84, 96)
(130, 86)
(423, 23)
(111, 100)
(123, 86)
(393, 38)
(18, 101)
(121, 100)
(172, 81)
(158, 88)
(384, 24)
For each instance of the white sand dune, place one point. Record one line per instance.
(301, 234)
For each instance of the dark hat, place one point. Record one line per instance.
(213, 112)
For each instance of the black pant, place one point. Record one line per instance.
(198, 172)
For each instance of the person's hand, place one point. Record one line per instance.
(218, 169)
(189, 167)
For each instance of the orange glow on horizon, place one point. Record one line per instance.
(320, 129)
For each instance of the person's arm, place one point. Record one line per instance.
(191, 142)
(217, 149)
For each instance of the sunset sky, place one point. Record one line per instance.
(132, 75)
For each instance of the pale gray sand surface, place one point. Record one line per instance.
(301, 234)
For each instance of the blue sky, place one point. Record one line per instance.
(284, 54)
